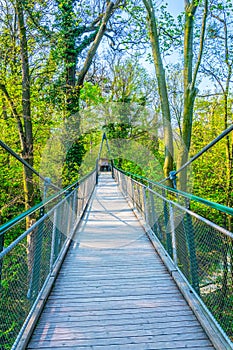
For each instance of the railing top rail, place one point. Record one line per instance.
(192, 213)
(189, 196)
(31, 228)
(14, 221)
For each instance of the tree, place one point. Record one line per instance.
(219, 51)
(127, 90)
(162, 86)
(26, 134)
(80, 39)
(189, 79)
(25, 127)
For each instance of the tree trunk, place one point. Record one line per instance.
(73, 85)
(162, 86)
(27, 139)
(72, 100)
(189, 95)
(190, 77)
(68, 27)
(182, 157)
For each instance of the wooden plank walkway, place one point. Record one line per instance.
(113, 292)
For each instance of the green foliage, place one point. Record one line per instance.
(209, 172)
(113, 99)
(76, 165)
(91, 94)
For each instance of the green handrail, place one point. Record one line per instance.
(214, 205)
(15, 220)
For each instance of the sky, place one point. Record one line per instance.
(175, 6)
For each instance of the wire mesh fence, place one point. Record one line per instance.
(199, 248)
(27, 263)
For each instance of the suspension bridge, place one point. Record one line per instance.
(117, 261)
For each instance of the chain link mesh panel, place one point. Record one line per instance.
(27, 263)
(201, 250)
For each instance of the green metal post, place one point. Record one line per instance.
(146, 217)
(53, 240)
(166, 223)
(1, 249)
(97, 171)
(173, 233)
(112, 168)
(69, 215)
(132, 190)
(138, 199)
(190, 236)
(36, 269)
(153, 224)
(74, 207)
(58, 229)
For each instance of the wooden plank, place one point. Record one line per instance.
(58, 328)
(94, 341)
(120, 319)
(178, 346)
(113, 291)
(120, 293)
(194, 332)
(140, 317)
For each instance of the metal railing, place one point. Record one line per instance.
(27, 263)
(201, 250)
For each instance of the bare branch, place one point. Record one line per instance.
(210, 72)
(110, 9)
(210, 95)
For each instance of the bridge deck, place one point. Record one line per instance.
(113, 291)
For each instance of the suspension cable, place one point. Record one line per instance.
(204, 149)
(25, 163)
(104, 138)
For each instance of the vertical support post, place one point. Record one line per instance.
(173, 232)
(58, 230)
(122, 183)
(97, 171)
(125, 186)
(112, 169)
(78, 202)
(36, 265)
(53, 240)
(83, 195)
(69, 215)
(190, 236)
(166, 223)
(128, 188)
(118, 178)
(138, 198)
(145, 209)
(132, 190)
(152, 208)
(1, 249)
(74, 207)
